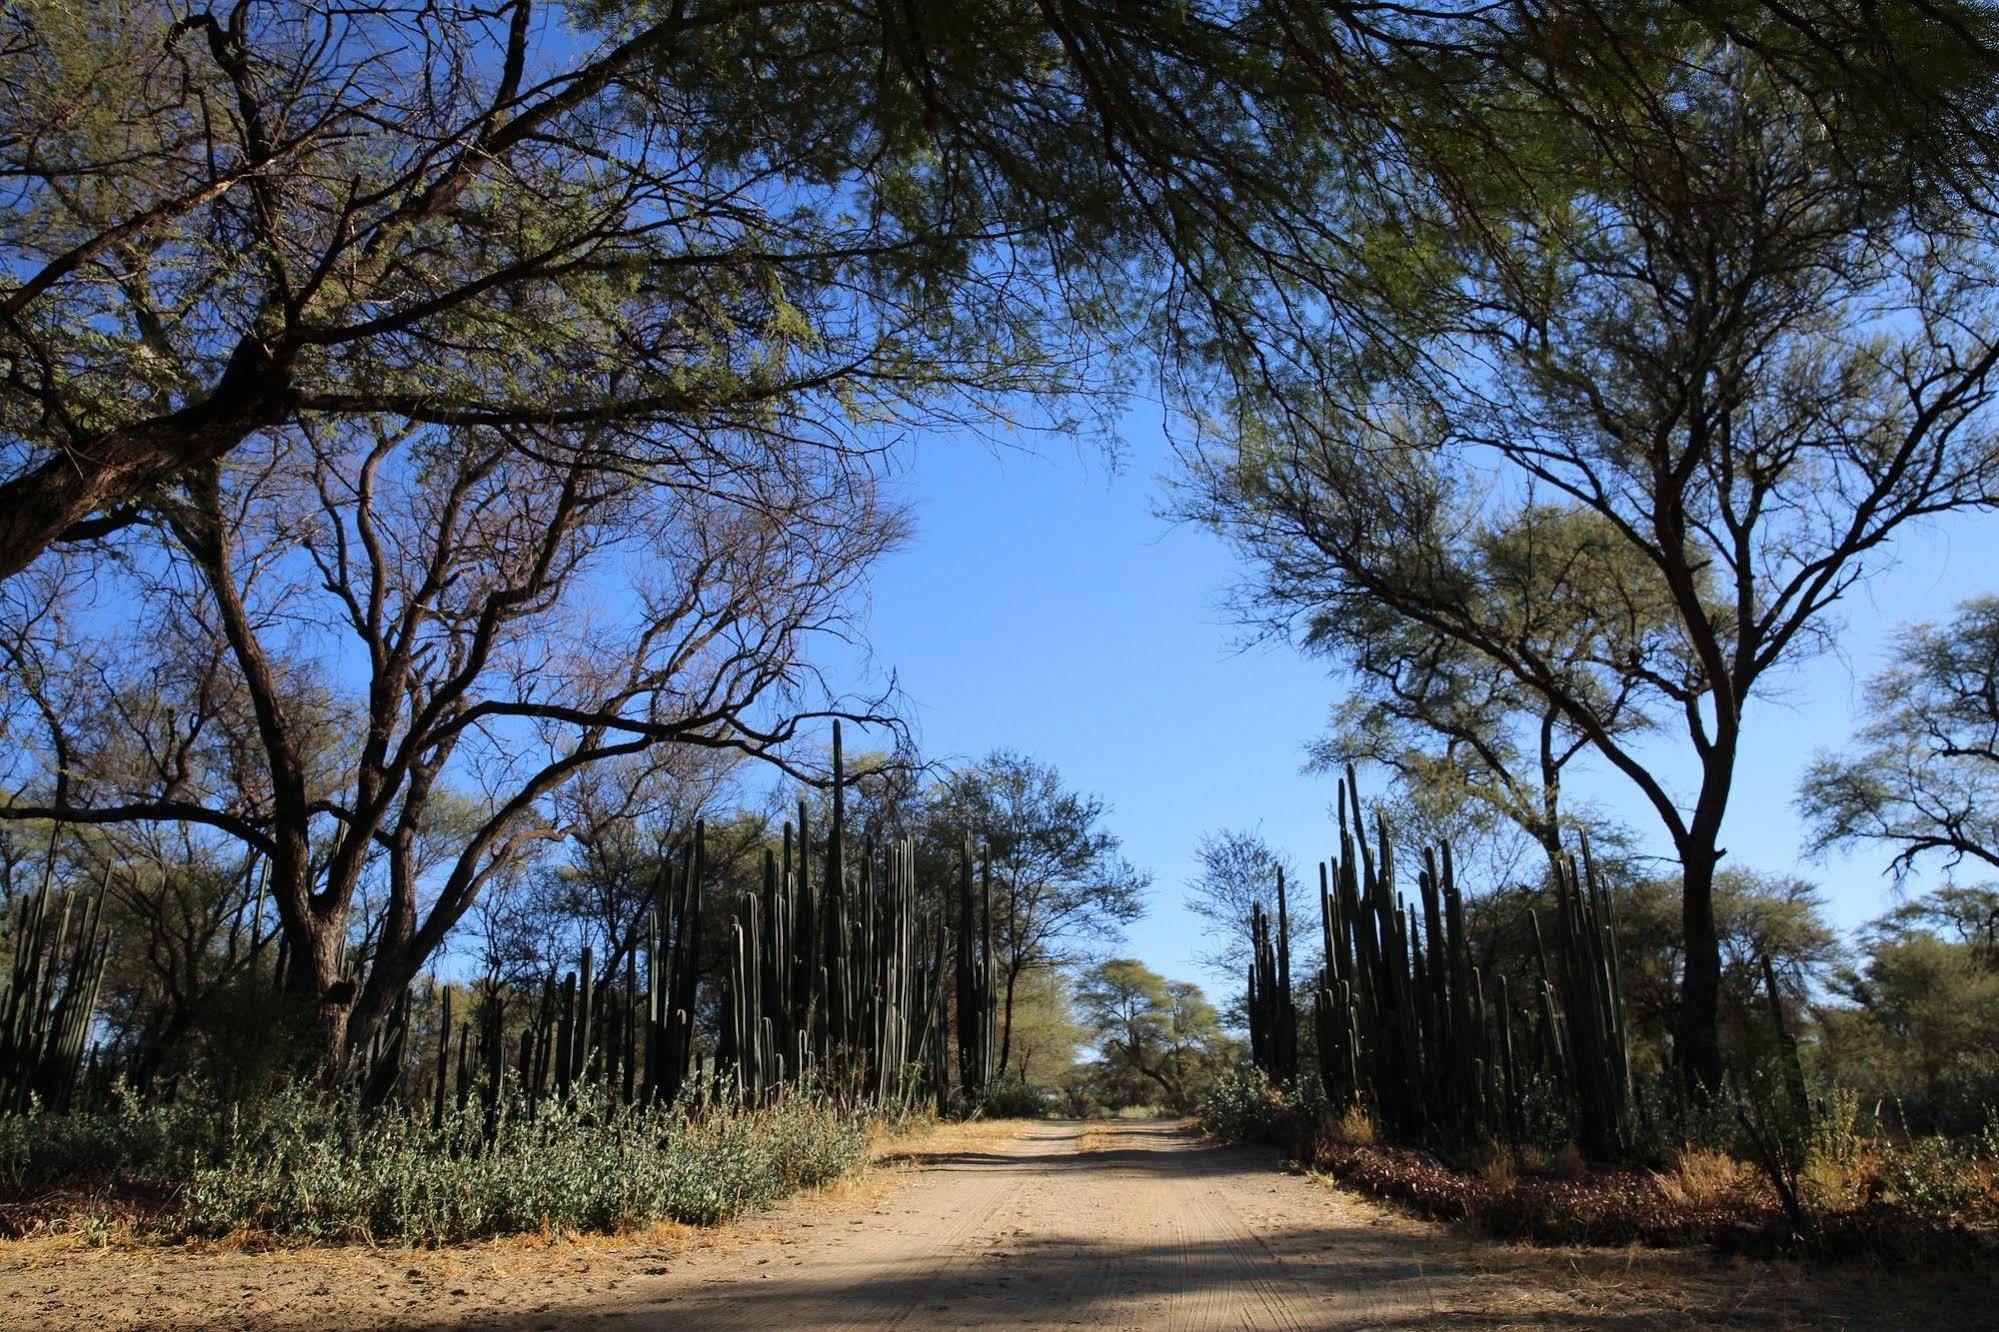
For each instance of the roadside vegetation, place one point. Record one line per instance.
(1869, 1190)
(305, 1165)
(1860, 1117)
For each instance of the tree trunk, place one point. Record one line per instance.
(1556, 853)
(1006, 1021)
(324, 999)
(1697, 1044)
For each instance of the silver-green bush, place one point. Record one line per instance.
(312, 1166)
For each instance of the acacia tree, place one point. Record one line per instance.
(494, 619)
(1923, 780)
(282, 210)
(1059, 881)
(1046, 1033)
(1149, 1027)
(517, 216)
(1715, 335)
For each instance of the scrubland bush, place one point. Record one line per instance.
(1939, 1177)
(312, 1167)
(1243, 1105)
(307, 1164)
(1012, 1098)
(164, 1141)
(1838, 1166)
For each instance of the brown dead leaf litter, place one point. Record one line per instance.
(1120, 1225)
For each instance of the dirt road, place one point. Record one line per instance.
(1135, 1225)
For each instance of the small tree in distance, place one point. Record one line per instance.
(1238, 872)
(1059, 877)
(1152, 1030)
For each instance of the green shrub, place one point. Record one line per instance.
(127, 1139)
(1243, 1105)
(1011, 1098)
(317, 1167)
(1936, 1177)
(1836, 1169)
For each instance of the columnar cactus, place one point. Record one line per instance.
(1406, 1025)
(49, 995)
(830, 970)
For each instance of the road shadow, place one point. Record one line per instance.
(1040, 1284)
(1165, 1149)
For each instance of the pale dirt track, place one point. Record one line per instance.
(1122, 1225)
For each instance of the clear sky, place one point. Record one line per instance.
(1043, 605)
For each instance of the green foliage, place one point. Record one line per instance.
(1160, 1040)
(1012, 1097)
(1756, 915)
(1046, 1034)
(1936, 1176)
(1835, 1153)
(1243, 1105)
(305, 1166)
(665, 234)
(129, 1137)
(1916, 1021)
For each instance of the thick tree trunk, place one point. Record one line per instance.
(1697, 1044)
(323, 1001)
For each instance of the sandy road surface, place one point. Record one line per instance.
(1122, 1225)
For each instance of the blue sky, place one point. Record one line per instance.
(1044, 606)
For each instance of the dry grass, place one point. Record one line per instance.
(1703, 1177)
(1533, 1160)
(1097, 1139)
(934, 1139)
(1354, 1128)
(1496, 1167)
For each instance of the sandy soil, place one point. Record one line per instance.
(1038, 1225)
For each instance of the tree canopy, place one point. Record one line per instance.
(1153, 1033)
(1922, 781)
(1701, 372)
